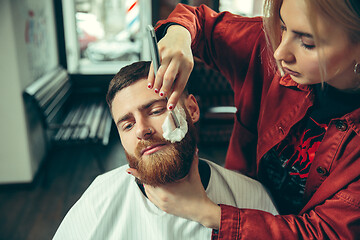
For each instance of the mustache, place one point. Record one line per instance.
(143, 144)
(167, 165)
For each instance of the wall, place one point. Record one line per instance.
(28, 50)
(258, 7)
(243, 7)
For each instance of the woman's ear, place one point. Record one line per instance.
(192, 107)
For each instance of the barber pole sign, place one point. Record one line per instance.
(132, 16)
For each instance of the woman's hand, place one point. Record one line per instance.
(176, 64)
(186, 198)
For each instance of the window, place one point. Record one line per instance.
(101, 36)
(242, 7)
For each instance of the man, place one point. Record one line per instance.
(116, 207)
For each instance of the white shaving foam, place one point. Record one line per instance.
(170, 132)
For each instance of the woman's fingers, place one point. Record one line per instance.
(169, 77)
(156, 82)
(151, 77)
(178, 87)
(176, 65)
(133, 172)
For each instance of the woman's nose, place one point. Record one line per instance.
(283, 51)
(144, 132)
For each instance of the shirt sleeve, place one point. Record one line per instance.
(337, 218)
(226, 42)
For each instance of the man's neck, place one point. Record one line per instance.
(204, 172)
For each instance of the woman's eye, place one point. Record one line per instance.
(282, 28)
(309, 47)
(307, 44)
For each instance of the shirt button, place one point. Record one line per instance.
(281, 130)
(341, 125)
(321, 170)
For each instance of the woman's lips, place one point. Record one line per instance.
(152, 149)
(293, 73)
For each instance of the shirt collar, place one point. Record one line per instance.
(287, 81)
(352, 117)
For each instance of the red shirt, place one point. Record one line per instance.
(268, 105)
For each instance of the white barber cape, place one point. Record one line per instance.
(113, 207)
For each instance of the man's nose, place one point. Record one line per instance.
(144, 132)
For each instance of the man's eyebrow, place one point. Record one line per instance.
(152, 102)
(142, 107)
(124, 118)
(297, 32)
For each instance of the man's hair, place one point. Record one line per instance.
(125, 77)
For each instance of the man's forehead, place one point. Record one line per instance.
(134, 97)
(137, 90)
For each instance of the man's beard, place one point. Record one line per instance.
(166, 165)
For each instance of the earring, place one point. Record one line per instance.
(150, 131)
(357, 68)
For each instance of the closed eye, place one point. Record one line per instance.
(307, 43)
(306, 39)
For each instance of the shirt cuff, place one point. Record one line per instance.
(161, 32)
(229, 223)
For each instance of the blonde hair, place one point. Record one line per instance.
(272, 22)
(341, 11)
(272, 29)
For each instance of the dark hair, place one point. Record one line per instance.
(127, 76)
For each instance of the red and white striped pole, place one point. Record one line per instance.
(132, 16)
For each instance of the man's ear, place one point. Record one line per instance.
(193, 108)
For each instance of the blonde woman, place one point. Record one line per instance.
(296, 78)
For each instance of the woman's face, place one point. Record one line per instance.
(299, 56)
